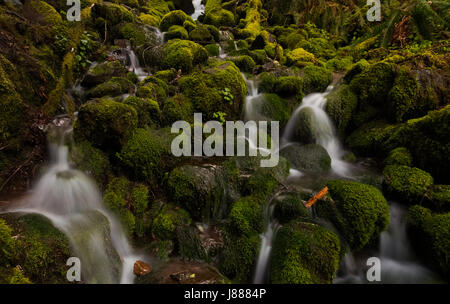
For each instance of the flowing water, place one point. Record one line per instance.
(398, 262)
(199, 8)
(71, 200)
(134, 65)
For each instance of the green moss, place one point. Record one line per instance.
(133, 32)
(204, 89)
(399, 156)
(299, 57)
(114, 87)
(102, 72)
(176, 32)
(166, 75)
(356, 69)
(183, 54)
(150, 19)
(177, 17)
(246, 216)
(201, 34)
(406, 183)
(153, 88)
(168, 219)
(244, 63)
(311, 157)
(113, 13)
(177, 108)
(320, 47)
(285, 86)
(315, 79)
(189, 26)
(18, 277)
(189, 244)
(147, 109)
(341, 105)
(439, 197)
(105, 123)
(47, 12)
(213, 49)
(274, 108)
(91, 160)
(339, 64)
(290, 207)
(147, 154)
(6, 243)
(358, 211)
(304, 253)
(370, 138)
(216, 15)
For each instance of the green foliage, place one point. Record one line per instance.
(227, 95)
(406, 183)
(304, 253)
(358, 211)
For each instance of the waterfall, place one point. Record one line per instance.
(222, 53)
(398, 263)
(324, 130)
(134, 66)
(199, 8)
(266, 246)
(71, 200)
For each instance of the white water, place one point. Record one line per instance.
(324, 132)
(398, 263)
(73, 203)
(222, 53)
(135, 67)
(199, 9)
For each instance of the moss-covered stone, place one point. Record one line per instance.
(213, 49)
(309, 157)
(246, 216)
(274, 108)
(114, 87)
(177, 108)
(177, 17)
(153, 88)
(285, 86)
(133, 32)
(176, 32)
(102, 72)
(147, 109)
(245, 63)
(167, 221)
(341, 105)
(112, 13)
(315, 79)
(359, 212)
(406, 183)
(183, 54)
(201, 34)
(299, 57)
(438, 198)
(47, 12)
(304, 253)
(288, 207)
(216, 15)
(399, 156)
(105, 123)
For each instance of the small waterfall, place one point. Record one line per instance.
(73, 203)
(158, 34)
(222, 53)
(324, 131)
(266, 246)
(199, 8)
(398, 264)
(134, 66)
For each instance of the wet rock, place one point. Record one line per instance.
(141, 268)
(310, 157)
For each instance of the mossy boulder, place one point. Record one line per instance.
(213, 49)
(309, 157)
(341, 105)
(304, 253)
(147, 109)
(219, 17)
(153, 88)
(147, 154)
(113, 87)
(286, 86)
(290, 206)
(430, 236)
(246, 216)
(105, 123)
(316, 79)
(399, 156)
(183, 54)
(207, 89)
(201, 34)
(177, 17)
(300, 58)
(112, 13)
(133, 32)
(175, 108)
(176, 32)
(406, 183)
(166, 222)
(307, 128)
(359, 212)
(274, 108)
(91, 160)
(47, 12)
(102, 72)
(438, 198)
(245, 63)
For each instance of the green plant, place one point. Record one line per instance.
(227, 95)
(220, 116)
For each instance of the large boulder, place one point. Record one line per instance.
(310, 157)
(102, 72)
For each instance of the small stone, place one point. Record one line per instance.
(141, 268)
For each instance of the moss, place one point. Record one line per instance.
(133, 32)
(358, 211)
(147, 109)
(153, 88)
(183, 54)
(168, 219)
(113, 13)
(320, 47)
(147, 154)
(213, 49)
(17, 277)
(406, 183)
(177, 108)
(253, 19)
(341, 105)
(315, 79)
(304, 253)
(166, 75)
(102, 72)
(239, 255)
(189, 26)
(105, 123)
(114, 87)
(216, 15)
(246, 215)
(311, 157)
(373, 84)
(6, 243)
(91, 160)
(48, 13)
(339, 64)
(204, 89)
(370, 138)
(189, 244)
(299, 57)
(201, 34)
(274, 108)
(438, 198)
(149, 19)
(244, 63)
(177, 17)
(356, 69)
(399, 156)
(176, 32)
(290, 207)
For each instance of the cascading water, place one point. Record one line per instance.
(199, 8)
(134, 66)
(73, 203)
(398, 263)
(324, 130)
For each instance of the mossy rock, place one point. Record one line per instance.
(286, 86)
(406, 183)
(306, 127)
(103, 72)
(112, 13)
(300, 58)
(167, 221)
(177, 17)
(245, 63)
(359, 212)
(47, 12)
(431, 239)
(176, 32)
(147, 109)
(316, 79)
(399, 156)
(309, 157)
(213, 49)
(273, 108)
(219, 17)
(304, 253)
(438, 198)
(341, 105)
(133, 32)
(201, 34)
(105, 123)
(147, 154)
(189, 244)
(176, 108)
(114, 87)
(290, 206)
(153, 88)
(183, 55)
(370, 138)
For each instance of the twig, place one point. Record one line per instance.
(106, 32)
(4, 147)
(17, 170)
